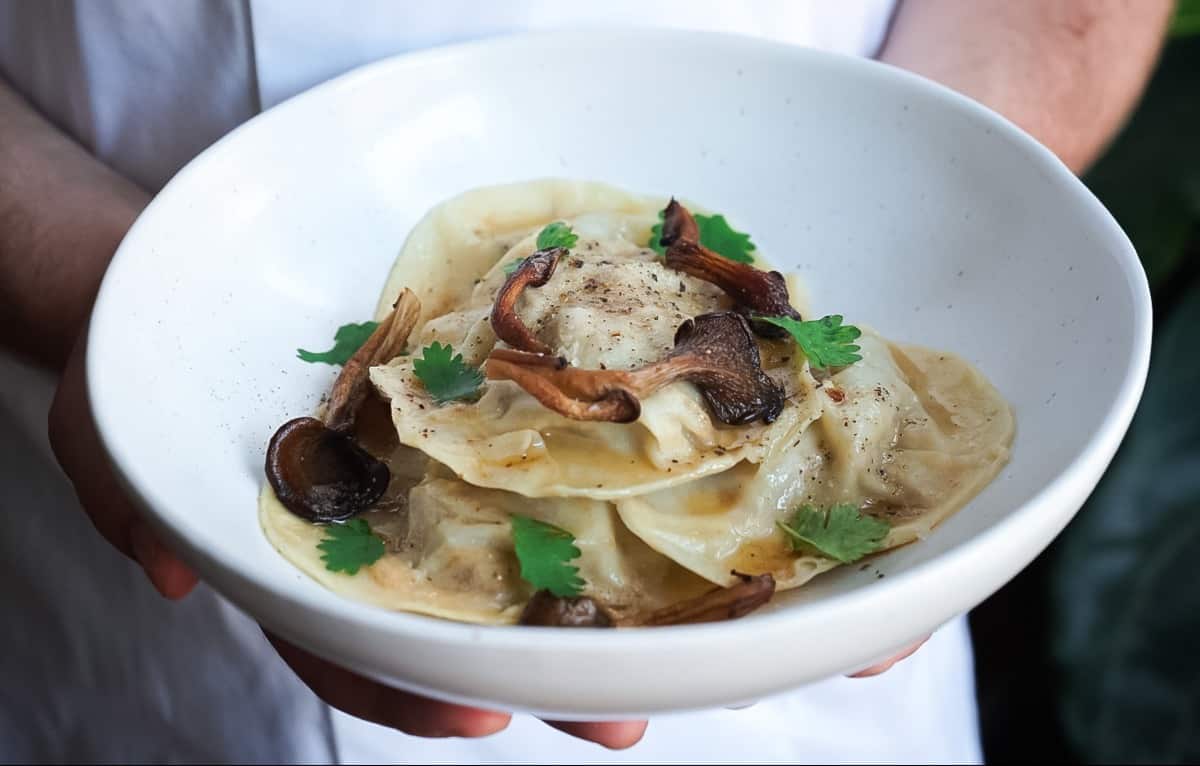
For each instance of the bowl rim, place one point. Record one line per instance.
(1090, 461)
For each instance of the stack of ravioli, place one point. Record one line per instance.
(663, 508)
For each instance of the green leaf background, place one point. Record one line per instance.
(1186, 21)
(1124, 579)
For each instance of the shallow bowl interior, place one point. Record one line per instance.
(902, 205)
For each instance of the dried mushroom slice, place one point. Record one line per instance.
(570, 391)
(321, 474)
(716, 352)
(678, 225)
(534, 271)
(718, 604)
(352, 384)
(546, 609)
(316, 468)
(754, 290)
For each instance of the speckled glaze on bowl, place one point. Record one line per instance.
(901, 204)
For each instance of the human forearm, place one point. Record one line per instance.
(1066, 71)
(62, 214)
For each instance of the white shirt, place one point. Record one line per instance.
(97, 667)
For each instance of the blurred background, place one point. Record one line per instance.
(1090, 655)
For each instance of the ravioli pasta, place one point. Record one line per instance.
(661, 508)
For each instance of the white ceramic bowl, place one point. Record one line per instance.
(902, 205)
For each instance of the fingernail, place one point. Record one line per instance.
(625, 735)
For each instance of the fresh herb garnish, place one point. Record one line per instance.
(544, 551)
(445, 375)
(556, 234)
(350, 546)
(825, 341)
(716, 234)
(843, 533)
(346, 341)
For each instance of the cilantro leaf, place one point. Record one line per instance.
(716, 234)
(346, 341)
(556, 234)
(844, 533)
(825, 341)
(349, 546)
(445, 375)
(544, 551)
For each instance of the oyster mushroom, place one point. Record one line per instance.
(578, 394)
(317, 469)
(755, 291)
(729, 603)
(716, 605)
(322, 474)
(716, 352)
(580, 612)
(534, 271)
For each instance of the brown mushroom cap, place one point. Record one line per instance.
(534, 271)
(317, 469)
(755, 291)
(718, 604)
(321, 474)
(722, 359)
(715, 351)
(678, 225)
(549, 610)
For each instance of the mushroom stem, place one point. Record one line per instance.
(716, 352)
(717, 604)
(316, 468)
(568, 391)
(388, 339)
(534, 271)
(754, 290)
